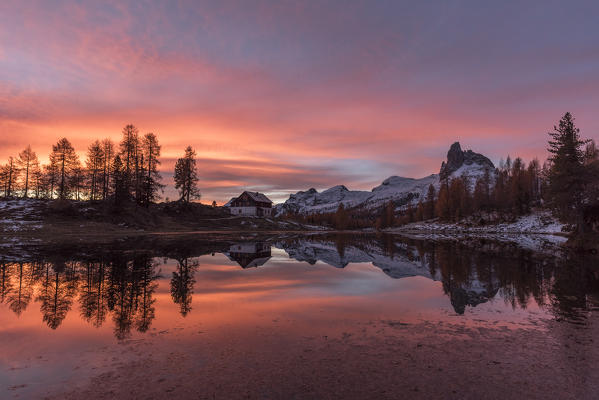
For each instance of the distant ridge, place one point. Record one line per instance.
(400, 190)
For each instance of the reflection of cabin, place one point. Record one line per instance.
(250, 255)
(250, 203)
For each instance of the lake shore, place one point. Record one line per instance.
(379, 359)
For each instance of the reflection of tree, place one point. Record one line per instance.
(5, 281)
(472, 271)
(571, 295)
(182, 284)
(18, 299)
(145, 310)
(93, 296)
(130, 295)
(59, 286)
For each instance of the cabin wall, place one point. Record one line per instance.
(251, 211)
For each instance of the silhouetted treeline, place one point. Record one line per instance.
(120, 172)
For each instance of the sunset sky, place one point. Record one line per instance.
(281, 96)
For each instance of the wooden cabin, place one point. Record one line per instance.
(250, 204)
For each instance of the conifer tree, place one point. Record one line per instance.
(567, 175)
(186, 176)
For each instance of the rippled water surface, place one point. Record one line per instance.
(73, 313)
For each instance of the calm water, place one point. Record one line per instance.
(70, 313)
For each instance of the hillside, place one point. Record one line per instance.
(54, 219)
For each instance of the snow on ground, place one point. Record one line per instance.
(537, 223)
(20, 215)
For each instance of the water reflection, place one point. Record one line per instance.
(250, 254)
(119, 283)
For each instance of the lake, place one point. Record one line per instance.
(283, 316)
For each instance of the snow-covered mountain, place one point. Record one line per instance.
(400, 190)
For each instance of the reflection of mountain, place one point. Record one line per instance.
(249, 254)
(397, 260)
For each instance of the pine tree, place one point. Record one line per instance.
(567, 175)
(186, 176)
(28, 164)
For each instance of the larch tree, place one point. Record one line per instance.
(95, 167)
(37, 181)
(151, 180)
(50, 178)
(65, 161)
(186, 176)
(429, 207)
(9, 174)
(107, 159)
(28, 163)
(78, 181)
(129, 152)
(442, 209)
(119, 183)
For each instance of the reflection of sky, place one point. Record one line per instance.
(294, 95)
(315, 298)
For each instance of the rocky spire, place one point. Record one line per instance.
(456, 157)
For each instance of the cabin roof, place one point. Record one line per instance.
(256, 196)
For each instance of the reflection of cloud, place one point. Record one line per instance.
(388, 86)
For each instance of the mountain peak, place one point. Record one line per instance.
(456, 158)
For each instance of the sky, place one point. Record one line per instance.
(281, 96)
